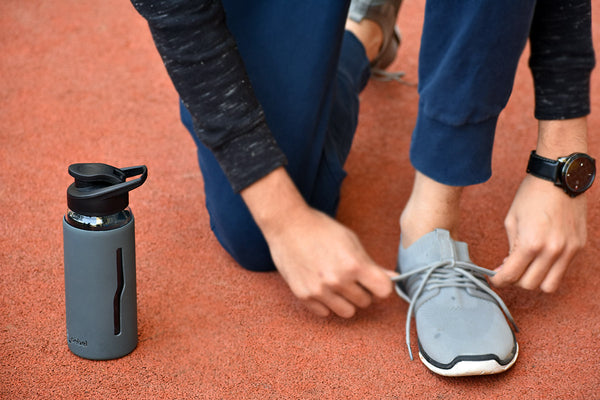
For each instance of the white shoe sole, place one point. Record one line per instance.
(471, 368)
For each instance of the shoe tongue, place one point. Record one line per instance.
(433, 247)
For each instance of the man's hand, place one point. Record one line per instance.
(545, 227)
(322, 261)
(326, 267)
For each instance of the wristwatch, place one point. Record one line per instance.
(574, 173)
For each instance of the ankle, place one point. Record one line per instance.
(416, 224)
(369, 34)
(431, 205)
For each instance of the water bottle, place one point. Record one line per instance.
(99, 257)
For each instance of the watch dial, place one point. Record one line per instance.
(579, 174)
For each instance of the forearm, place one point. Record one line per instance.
(558, 138)
(274, 201)
(561, 61)
(562, 57)
(201, 57)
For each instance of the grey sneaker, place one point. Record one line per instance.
(461, 324)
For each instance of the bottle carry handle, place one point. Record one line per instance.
(120, 188)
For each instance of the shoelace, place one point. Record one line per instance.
(387, 76)
(447, 273)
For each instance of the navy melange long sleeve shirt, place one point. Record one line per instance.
(202, 60)
(562, 58)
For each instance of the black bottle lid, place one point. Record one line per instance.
(100, 189)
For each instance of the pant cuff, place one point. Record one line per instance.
(455, 155)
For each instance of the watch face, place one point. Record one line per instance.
(578, 173)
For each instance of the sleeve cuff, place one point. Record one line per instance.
(249, 157)
(561, 94)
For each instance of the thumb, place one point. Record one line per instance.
(511, 269)
(377, 281)
(391, 274)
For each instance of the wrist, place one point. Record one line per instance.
(274, 201)
(574, 173)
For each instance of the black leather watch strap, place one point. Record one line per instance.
(544, 168)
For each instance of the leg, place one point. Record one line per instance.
(453, 138)
(468, 59)
(311, 109)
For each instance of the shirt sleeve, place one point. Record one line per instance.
(201, 58)
(562, 58)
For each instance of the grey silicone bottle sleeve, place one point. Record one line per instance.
(100, 291)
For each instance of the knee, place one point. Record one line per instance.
(242, 239)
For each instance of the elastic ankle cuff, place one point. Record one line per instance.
(455, 155)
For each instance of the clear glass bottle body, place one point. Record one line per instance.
(104, 223)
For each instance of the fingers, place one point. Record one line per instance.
(317, 308)
(555, 274)
(512, 269)
(537, 270)
(377, 281)
(538, 266)
(327, 302)
(340, 306)
(552, 280)
(344, 297)
(356, 295)
(391, 274)
(331, 303)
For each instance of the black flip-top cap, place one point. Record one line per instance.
(101, 189)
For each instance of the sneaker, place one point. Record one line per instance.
(461, 324)
(384, 13)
